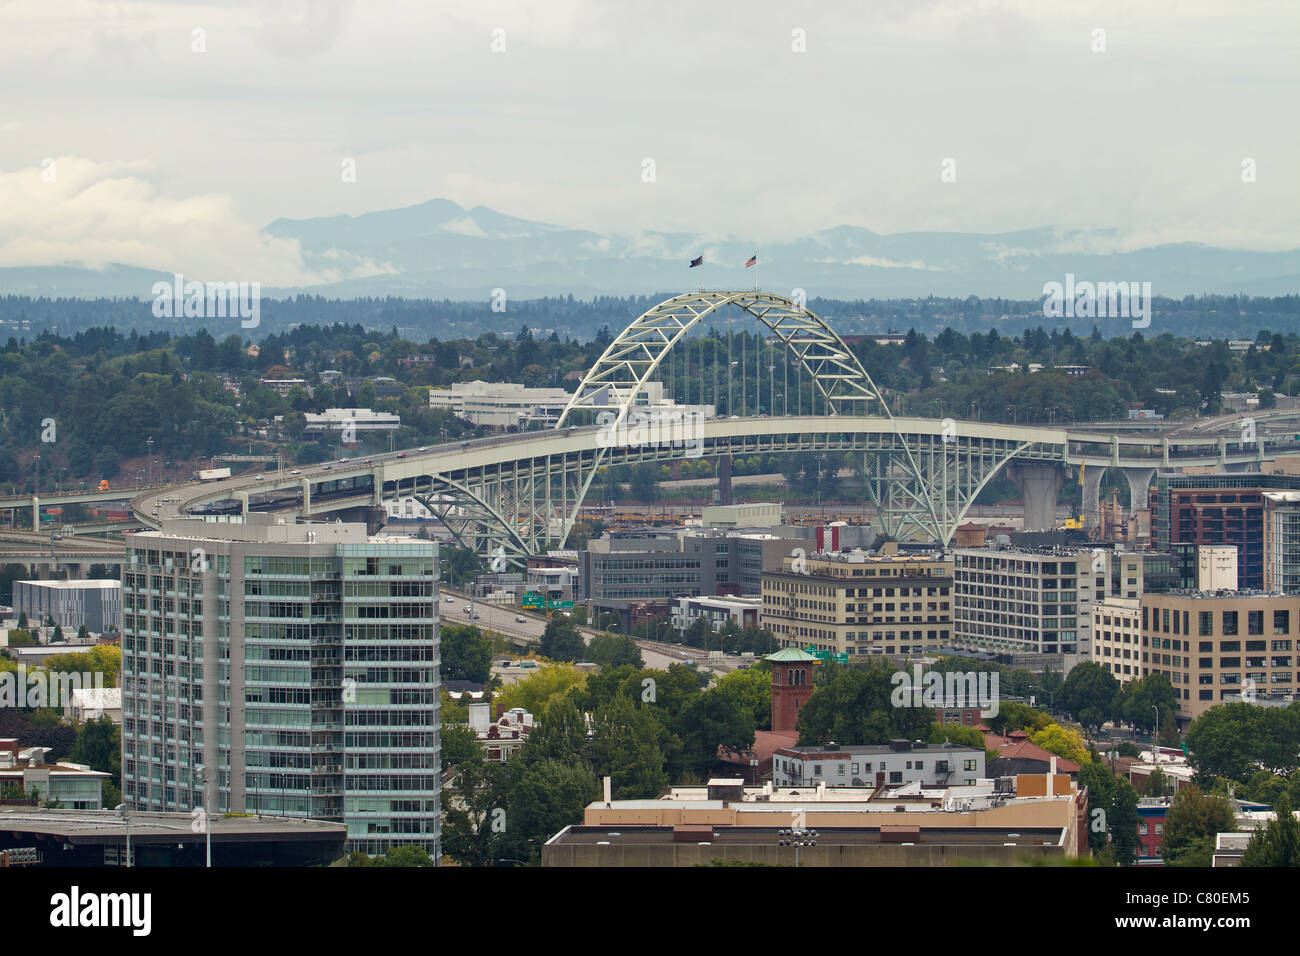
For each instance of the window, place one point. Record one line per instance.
(968, 765)
(1229, 622)
(896, 776)
(1281, 622)
(1206, 625)
(1254, 622)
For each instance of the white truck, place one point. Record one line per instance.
(213, 474)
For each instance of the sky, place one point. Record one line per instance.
(167, 134)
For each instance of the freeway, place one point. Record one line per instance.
(502, 619)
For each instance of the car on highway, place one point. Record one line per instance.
(296, 471)
(475, 617)
(424, 448)
(401, 454)
(450, 599)
(328, 467)
(520, 619)
(370, 461)
(259, 478)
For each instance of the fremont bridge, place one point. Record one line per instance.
(517, 495)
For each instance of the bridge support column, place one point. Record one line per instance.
(36, 514)
(1238, 467)
(242, 496)
(1039, 484)
(724, 479)
(306, 497)
(1139, 487)
(1092, 497)
(374, 518)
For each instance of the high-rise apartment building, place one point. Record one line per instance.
(283, 669)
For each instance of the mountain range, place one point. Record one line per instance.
(440, 250)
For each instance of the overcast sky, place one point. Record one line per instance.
(171, 158)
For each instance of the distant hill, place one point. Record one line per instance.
(440, 250)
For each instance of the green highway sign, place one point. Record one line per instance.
(563, 605)
(534, 599)
(841, 658)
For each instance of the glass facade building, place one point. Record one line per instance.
(284, 669)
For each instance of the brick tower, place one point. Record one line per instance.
(792, 685)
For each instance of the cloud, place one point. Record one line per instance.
(75, 211)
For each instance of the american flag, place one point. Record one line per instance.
(697, 262)
(753, 261)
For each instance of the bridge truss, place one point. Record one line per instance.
(917, 481)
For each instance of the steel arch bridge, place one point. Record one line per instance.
(917, 480)
(514, 495)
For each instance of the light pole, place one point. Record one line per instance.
(148, 453)
(797, 837)
(1155, 760)
(37, 488)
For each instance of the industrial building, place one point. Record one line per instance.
(94, 604)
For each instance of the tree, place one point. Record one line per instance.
(407, 855)
(544, 798)
(561, 735)
(1112, 813)
(623, 747)
(534, 694)
(751, 688)
(1193, 820)
(853, 706)
(614, 650)
(459, 743)
(712, 720)
(1140, 698)
(561, 641)
(466, 654)
(1089, 694)
(1231, 740)
(472, 829)
(1063, 742)
(1278, 844)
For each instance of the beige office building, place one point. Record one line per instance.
(1117, 637)
(1215, 646)
(860, 604)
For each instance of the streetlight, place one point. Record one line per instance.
(1155, 760)
(796, 837)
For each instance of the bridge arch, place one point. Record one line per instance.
(636, 353)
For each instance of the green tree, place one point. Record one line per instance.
(712, 720)
(407, 855)
(854, 705)
(1193, 820)
(614, 650)
(1231, 740)
(466, 654)
(561, 641)
(1063, 742)
(751, 688)
(459, 743)
(561, 735)
(544, 798)
(1278, 844)
(624, 747)
(1089, 694)
(474, 810)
